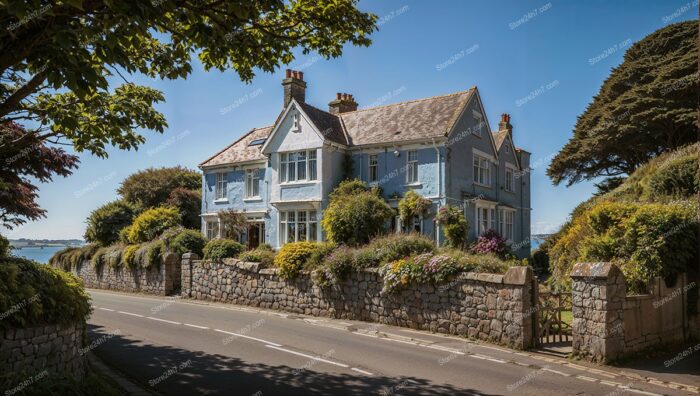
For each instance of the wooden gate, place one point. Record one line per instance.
(554, 318)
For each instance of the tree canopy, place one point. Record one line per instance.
(153, 186)
(65, 66)
(648, 105)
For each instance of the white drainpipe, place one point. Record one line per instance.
(439, 192)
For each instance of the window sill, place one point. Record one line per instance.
(298, 183)
(482, 185)
(416, 185)
(221, 200)
(252, 199)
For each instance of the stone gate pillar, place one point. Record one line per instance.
(598, 301)
(186, 273)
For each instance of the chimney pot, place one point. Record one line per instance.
(343, 103)
(338, 96)
(301, 75)
(294, 86)
(288, 73)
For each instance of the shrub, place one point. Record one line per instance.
(129, 258)
(318, 256)
(454, 225)
(422, 268)
(152, 187)
(110, 255)
(676, 178)
(292, 257)
(105, 223)
(97, 259)
(154, 254)
(335, 268)
(45, 295)
(395, 246)
(263, 254)
(217, 249)
(181, 241)
(151, 223)
(366, 258)
(491, 242)
(355, 214)
(73, 256)
(189, 203)
(412, 205)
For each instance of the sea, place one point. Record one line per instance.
(41, 255)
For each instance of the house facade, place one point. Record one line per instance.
(443, 148)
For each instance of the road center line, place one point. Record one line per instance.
(248, 337)
(107, 309)
(196, 326)
(129, 313)
(163, 320)
(308, 356)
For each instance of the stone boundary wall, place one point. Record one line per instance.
(495, 308)
(50, 348)
(608, 324)
(160, 280)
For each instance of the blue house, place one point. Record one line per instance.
(442, 147)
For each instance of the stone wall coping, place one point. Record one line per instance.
(519, 275)
(598, 270)
(269, 271)
(190, 256)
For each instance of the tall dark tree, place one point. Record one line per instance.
(56, 60)
(647, 106)
(153, 186)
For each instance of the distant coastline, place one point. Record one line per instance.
(24, 243)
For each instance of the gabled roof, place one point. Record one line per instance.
(240, 151)
(500, 137)
(405, 121)
(328, 124)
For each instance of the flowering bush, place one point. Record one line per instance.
(454, 225)
(491, 242)
(423, 268)
(292, 257)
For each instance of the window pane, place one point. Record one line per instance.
(301, 216)
(312, 215)
(291, 227)
(312, 231)
(301, 170)
(283, 171)
(291, 216)
(312, 165)
(292, 172)
(302, 231)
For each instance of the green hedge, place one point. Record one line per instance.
(35, 294)
(150, 224)
(217, 249)
(263, 254)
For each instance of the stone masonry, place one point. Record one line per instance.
(495, 308)
(54, 348)
(161, 280)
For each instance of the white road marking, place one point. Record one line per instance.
(482, 357)
(361, 371)
(589, 379)
(641, 392)
(248, 337)
(107, 309)
(196, 326)
(129, 313)
(308, 356)
(163, 320)
(556, 372)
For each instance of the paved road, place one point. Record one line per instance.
(180, 347)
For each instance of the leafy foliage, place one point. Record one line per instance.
(153, 187)
(4, 247)
(646, 107)
(355, 214)
(35, 294)
(491, 242)
(395, 246)
(21, 167)
(217, 249)
(151, 223)
(181, 241)
(232, 222)
(454, 225)
(262, 254)
(105, 222)
(292, 257)
(70, 98)
(73, 257)
(413, 205)
(189, 203)
(423, 268)
(678, 178)
(335, 267)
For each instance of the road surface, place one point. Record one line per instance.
(182, 347)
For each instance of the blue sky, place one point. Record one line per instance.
(540, 61)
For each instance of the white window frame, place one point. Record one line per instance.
(477, 120)
(290, 162)
(252, 182)
(490, 219)
(221, 186)
(509, 183)
(295, 122)
(506, 223)
(412, 167)
(373, 168)
(482, 170)
(212, 229)
(309, 223)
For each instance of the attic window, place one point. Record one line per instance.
(477, 122)
(257, 142)
(295, 125)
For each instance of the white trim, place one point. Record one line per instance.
(483, 154)
(414, 144)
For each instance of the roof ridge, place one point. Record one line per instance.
(409, 101)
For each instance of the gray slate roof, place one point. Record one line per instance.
(399, 122)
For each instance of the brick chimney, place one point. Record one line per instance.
(294, 86)
(343, 103)
(504, 125)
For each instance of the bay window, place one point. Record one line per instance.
(505, 223)
(298, 225)
(485, 219)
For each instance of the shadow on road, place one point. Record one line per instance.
(184, 372)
